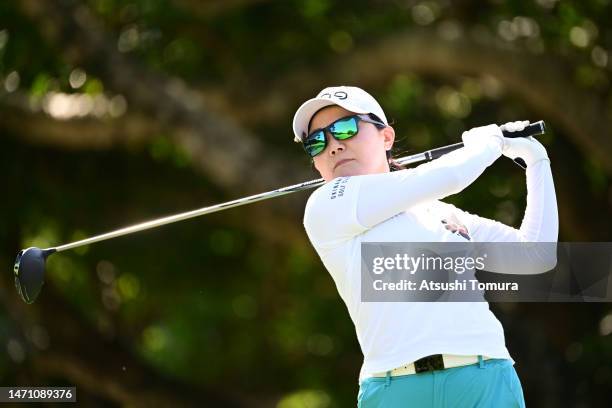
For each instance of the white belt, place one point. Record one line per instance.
(450, 360)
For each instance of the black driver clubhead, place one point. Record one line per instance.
(30, 272)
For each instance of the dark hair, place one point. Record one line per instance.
(393, 165)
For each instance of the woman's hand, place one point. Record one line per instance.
(526, 148)
(484, 135)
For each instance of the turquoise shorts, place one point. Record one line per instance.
(488, 383)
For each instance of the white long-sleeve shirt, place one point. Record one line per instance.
(405, 206)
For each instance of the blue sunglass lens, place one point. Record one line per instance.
(344, 129)
(315, 143)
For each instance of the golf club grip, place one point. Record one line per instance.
(441, 151)
(533, 129)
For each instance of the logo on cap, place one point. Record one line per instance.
(337, 94)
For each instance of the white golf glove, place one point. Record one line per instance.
(484, 135)
(526, 148)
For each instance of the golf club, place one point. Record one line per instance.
(29, 266)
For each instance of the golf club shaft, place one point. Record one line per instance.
(530, 130)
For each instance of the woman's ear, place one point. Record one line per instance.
(388, 137)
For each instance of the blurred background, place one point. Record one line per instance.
(114, 112)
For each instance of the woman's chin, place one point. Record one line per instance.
(348, 169)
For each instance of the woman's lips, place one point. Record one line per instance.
(341, 162)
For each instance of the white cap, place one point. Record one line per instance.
(350, 98)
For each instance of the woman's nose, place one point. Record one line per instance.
(334, 145)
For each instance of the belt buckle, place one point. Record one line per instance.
(429, 363)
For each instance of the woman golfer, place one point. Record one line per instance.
(416, 354)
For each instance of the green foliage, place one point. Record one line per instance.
(209, 301)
